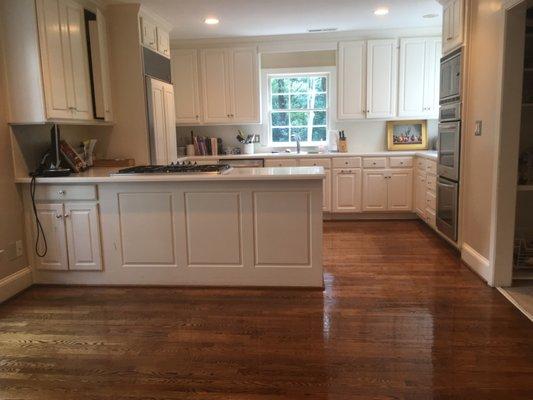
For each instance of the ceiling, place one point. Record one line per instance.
(240, 18)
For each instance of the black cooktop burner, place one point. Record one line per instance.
(176, 168)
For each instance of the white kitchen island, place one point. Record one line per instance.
(247, 227)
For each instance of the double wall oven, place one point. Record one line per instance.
(449, 145)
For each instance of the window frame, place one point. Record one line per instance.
(268, 74)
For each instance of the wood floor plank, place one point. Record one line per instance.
(400, 318)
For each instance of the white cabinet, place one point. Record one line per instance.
(382, 78)
(326, 191)
(452, 25)
(163, 42)
(100, 68)
(400, 190)
(375, 190)
(419, 77)
(387, 189)
(73, 236)
(230, 85)
(346, 190)
(186, 86)
(351, 78)
(153, 35)
(64, 59)
(420, 194)
(148, 33)
(283, 162)
(163, 122)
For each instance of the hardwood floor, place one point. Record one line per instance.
(400, 318)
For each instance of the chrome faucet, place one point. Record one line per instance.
(298, 146)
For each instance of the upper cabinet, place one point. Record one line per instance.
(154, 35)
(452, 25)
(419, 77)
(64, 59)
(382, 78)
(186, 86)
(61, 70)
(368, 82)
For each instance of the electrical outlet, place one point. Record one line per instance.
(19, 248)
(257, 139)
(479, 128)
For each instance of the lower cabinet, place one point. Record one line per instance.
(387, 190)
(420, 194)
(326, 192)
(346, 190)
(72, 234)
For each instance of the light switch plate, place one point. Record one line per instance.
(479, 128)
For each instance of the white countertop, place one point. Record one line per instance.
(103, 175)
(430, 154)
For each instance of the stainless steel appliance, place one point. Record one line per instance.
(177, 168)
(450, 77)
(448, 197)
(449, 145)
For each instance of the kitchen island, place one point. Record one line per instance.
(245, 227)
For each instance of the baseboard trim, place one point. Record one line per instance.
(368, 216)
(476, 262)
(15, 283)
(515, 303)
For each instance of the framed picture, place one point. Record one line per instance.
(407, 135)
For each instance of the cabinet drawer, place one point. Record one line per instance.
(431, 167)
(421, 163)
(431, 201)
(316, 162)
(400, 162)
(431, 182)
(375, 162)
(65, 192)
(284, 162)
(346, 162)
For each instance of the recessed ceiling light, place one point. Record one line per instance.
(211, 21)
(430, 16)
(381, 11)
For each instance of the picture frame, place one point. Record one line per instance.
(407, 135)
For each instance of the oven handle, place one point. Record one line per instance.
(446, 185)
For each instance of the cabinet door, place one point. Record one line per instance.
(244, 84)
(163, 42)
(215, 88)
(382, 71)
(412, 77)
(326, 191)
(457, 33)
(432, 77)
(159, 139)
(420, 194)
(148, 33)
(186, 86)
(51, 217)
(57, 74)
(351, 75)
(452, 33)
(374, 190)
(400, 190)
(447, 25)
(347, 190)
(170, 123)
(83, 236)
(79, 61)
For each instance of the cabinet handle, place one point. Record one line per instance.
(59, 216)
(61, 192)
(67, 215)
(197, 117)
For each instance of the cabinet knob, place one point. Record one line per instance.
(59, 216)
(197, 117)
(61, 192)
(67, 215)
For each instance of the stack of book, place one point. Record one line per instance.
(204, 146)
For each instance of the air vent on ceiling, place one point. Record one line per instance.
(322, 30)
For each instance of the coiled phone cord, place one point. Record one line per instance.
(40, 230)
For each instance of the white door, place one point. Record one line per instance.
(244, 84)
(382, 78)
(79, 61)
(412, 77)
(351, 75)
(215, 85)
(170, 123)
(57, 79)
(83, 236)
(186, 86)
(51, 218)
(347, 190)
(432, 77)
(148, 33)
(159, 138)
(452, 33)
(420, 194)
(163, 42)
(447, 25)
(400, 190)
(375, 190)
(326, 191)
(104, 62)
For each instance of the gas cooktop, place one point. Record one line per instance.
(176, 168)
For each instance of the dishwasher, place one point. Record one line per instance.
(244, 162)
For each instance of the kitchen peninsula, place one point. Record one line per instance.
(244, 227)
